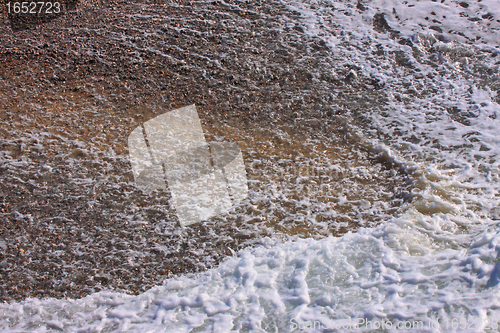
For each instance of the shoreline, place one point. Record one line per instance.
(75, 223)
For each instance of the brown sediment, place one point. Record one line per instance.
(72, 222)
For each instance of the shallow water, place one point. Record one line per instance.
(383, 127)
(80, 84)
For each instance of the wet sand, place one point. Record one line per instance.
(73, 222)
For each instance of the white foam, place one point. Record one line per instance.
(437, 261)
(367, 274)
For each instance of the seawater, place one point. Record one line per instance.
(431, 267)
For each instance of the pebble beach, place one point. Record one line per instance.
(74, 88)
